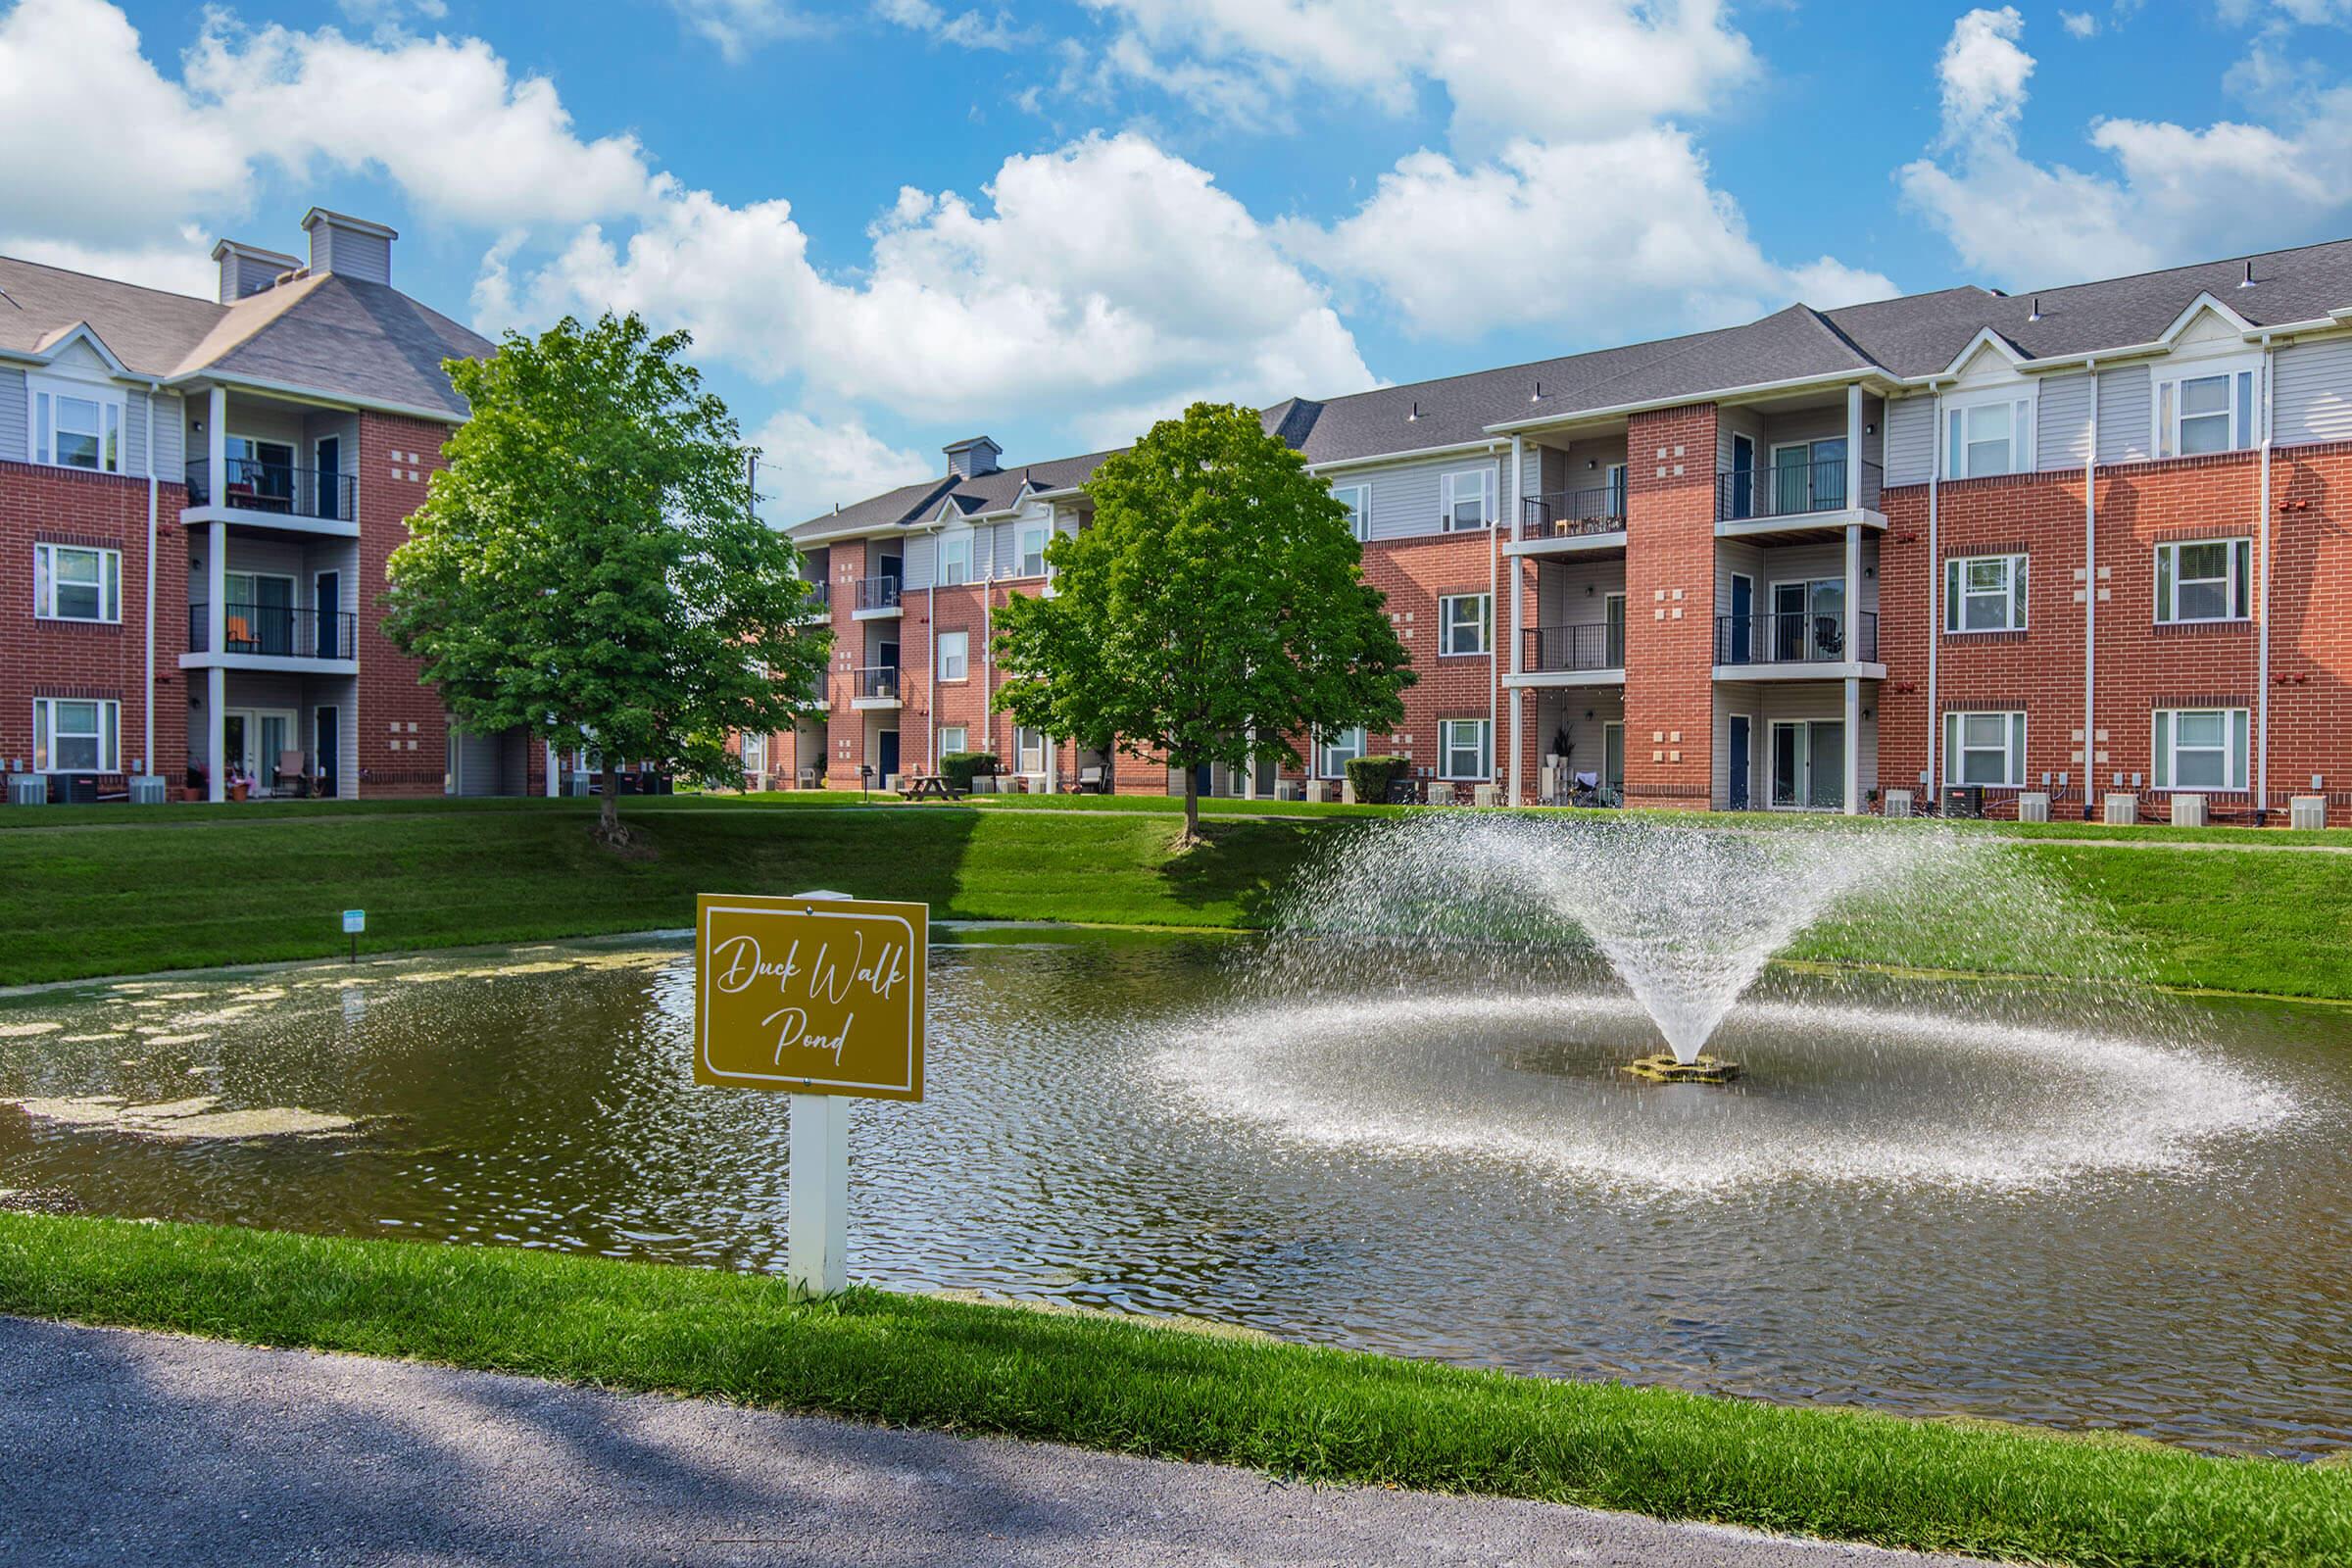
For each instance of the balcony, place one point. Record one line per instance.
(1573, 513)
(1816, 493)
(821, 601)
(877, 598)
(270, 492)
(876, 686)
(281, 636)
(1799, 641)
(1575, 649)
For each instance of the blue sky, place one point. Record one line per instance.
(893, 222)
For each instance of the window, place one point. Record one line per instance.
(1464, 623)
(1338, 750)
(1033, 549)
(2204, 579)
(1985, 748)
(1465, 746)
(1612, 620)
(955, 560)
(75, 735)
(1463, 500)
(77, 425)
(953, 738)
(2200, 748)
(1985, 593)
(2200, 414)
(955, 654)
(1986, 438)
(1358, 499)
(1029, 746)
(755, 756)
(72, 583)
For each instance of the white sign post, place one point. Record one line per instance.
(820, 996)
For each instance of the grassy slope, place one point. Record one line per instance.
(1313, 1415)
(103, 892)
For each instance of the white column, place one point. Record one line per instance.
(216, 447)
(216, 642)
(553, 785)
(1853, 746)
(1853, 445)
(817, 1237)
(1518, 608)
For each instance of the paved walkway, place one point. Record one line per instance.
(143, 1447)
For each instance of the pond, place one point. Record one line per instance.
(1900, 1205)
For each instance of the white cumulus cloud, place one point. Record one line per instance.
(808, 465)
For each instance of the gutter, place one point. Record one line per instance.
(1683, 399)
(1456, 449)
(318, 396)
(1934, 588)
(147, 709)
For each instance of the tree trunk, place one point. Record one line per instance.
(1192, 809)
(607, 821)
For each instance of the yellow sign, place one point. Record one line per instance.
(813, 996)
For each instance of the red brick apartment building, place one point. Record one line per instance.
(2091, 542)
(197, 498)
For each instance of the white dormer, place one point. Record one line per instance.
(2208, 387)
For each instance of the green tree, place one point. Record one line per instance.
(590, 566)
(1216, 608)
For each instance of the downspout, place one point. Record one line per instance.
(2090, 590)
(147, 707)
(931, 616)
(1494, 600)
(2262, 644)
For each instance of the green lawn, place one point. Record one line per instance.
(93, 891)
(1118, 1384)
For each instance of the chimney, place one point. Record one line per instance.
(351, 247)
(247, 268)
(973, 456)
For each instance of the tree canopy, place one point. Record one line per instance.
(1214, 609)
(591, 565)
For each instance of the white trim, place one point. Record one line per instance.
(1864, 375)
(1325, 750)
(109, 734)
(1414, 454)
(81, 332)
(1445, 749)
(1985, 338)
(2165, 749)
(2241, 605)
(82, 387)
(2024, 401)
(964, 658)
(2014, 569)
(1450, 499)
(1956, 746)
(1361, 512)
(45, 580)
(1485, 624)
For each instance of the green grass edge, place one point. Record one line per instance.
(1128, 1386)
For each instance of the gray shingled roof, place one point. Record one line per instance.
(329, 334)
(1904, 338)
(911, 504)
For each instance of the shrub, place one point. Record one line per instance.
(1372, 775)
(959, 768)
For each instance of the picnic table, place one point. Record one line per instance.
(925, 786)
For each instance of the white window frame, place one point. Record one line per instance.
(1451, 498)
(1483, 624)
(2237, 580)
(1957, 593)
(754, 756)
(1334, 751)
(2022, 404)
(1957, 747)
(45, 582)
(107, 714)
(956, 665)
(954, 738)
(1358, 499)
(2241, 404)
(956, 559)
(2166, 750)
(1026, 741)
(41, 392)
(1043, 533)
(1449, 745)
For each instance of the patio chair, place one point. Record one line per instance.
(290, 765)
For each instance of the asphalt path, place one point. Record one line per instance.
(133, 1448)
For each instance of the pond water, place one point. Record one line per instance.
(2032, 1210)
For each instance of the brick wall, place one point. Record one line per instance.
(66, 659)
(1670, 607)
(403, 727)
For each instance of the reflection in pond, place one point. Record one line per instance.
(1945, 1216)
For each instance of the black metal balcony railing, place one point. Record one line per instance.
(1799, 637)
(1792, 490)
(1554, 650)
(276, 630)
(1573, 513)
(255, 487)
(877, 592)
(878, 681)
(820, 597)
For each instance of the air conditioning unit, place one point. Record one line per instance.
(1964, 800)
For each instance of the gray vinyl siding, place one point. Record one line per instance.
(1405, 498)
(1561, 596)
(16, 416)
(2062, 425)
(921, 551)
(2125, 413)
(2313, 396)
(170, 444)
(1910, 443)
(366, 257)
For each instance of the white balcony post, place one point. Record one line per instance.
(216, 642)
(1853, 746)
(216, 447)
(1853, 446)
(1853, 655)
